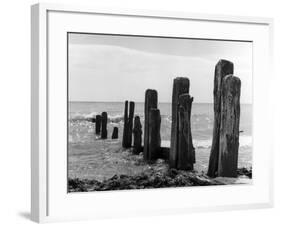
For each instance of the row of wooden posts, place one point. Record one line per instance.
(181, 154)
(101, 126)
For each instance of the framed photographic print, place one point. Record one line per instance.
(142, 112)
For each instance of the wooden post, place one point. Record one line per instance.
(154, 139)
(130, 123)
(223, 68)
(180, 86)
(229, 128)
(104, 125)
(151, 101)
(98, 124)
(185, 146)
(125, 129)
(115, 133)
(137, 131)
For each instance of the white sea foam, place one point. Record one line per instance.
(115, 118)
(244, 141)
(82, 116)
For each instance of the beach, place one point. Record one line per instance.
(93, 159)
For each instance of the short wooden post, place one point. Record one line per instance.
(154, 139)
(115, 133)
(223, 68)
(98, 124)
(125, 129)
(137, 131)
(180, 86)
(229, 127)
(104, 125)
(185, 146)
(151, 101)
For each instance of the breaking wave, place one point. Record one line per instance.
(244, 142)
(91, 116)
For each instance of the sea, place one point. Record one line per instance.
(92, 158)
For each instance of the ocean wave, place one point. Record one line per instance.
(244, 142)
(115, 118)
(119, 117)
(92, 115)
(82, 116)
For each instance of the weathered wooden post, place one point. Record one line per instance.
(229, 127)
(180, 86)
(186, 151)
(223, 68)
(151, 101)
(137, 131)
(128, 124)
(154, 138)
(104, 125)
(125, 129)
(98, 124)
(115, 133)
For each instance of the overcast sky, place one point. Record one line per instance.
(117, 68)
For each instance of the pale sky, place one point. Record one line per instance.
(118, 68)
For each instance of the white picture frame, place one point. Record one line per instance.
(49, 198)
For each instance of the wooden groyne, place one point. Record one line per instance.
(128, 124)
(182, 154)
(186, 153)
(98, 124)
(229, 130)
(137, 131)
(223, 68)
(125, 128)
(223, 160)
(151, 102)
(225, 142)
(154, 138)
(104, 125)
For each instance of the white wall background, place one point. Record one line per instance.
(15, 110)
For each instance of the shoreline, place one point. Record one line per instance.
(108, 158)
(157, 175)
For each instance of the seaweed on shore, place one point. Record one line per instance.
(156, 175)
(145, 180)
(245, 172)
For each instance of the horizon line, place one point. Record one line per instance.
(88, 101)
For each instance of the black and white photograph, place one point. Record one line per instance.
(147, 112)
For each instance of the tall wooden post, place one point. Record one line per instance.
(128, 124)
(151, 101)
(223, 68)
(229, 128)
(180, 86)
(154, 138)
(98, 124)
(137, 131)
(186, 151)
(104, 125)
(125, 129)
